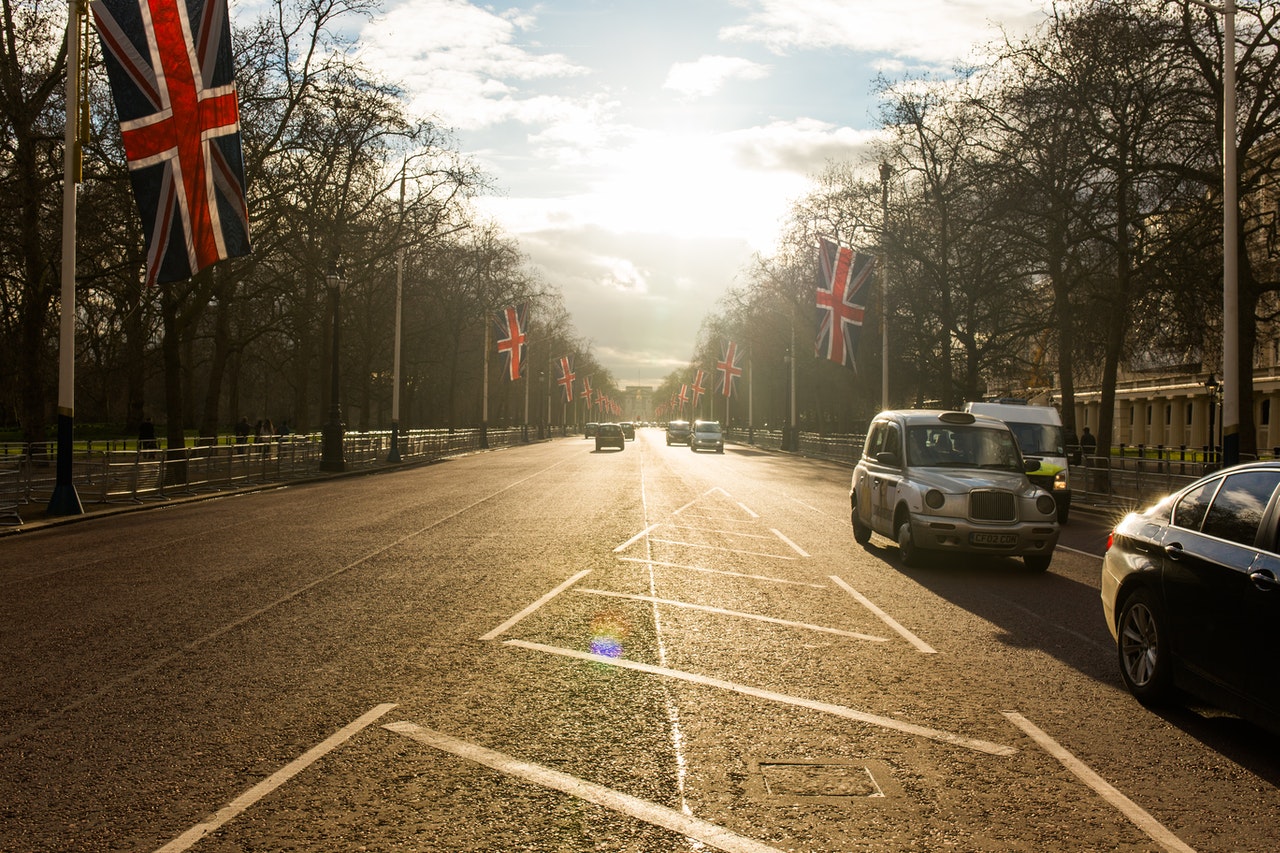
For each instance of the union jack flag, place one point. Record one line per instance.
(510, 322)
(843, 276)
(586, 388)
(684, 396)
(173, 82)
(698, 389)
(729, 368)
(566, 377)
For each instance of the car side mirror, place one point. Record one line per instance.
(887, 457)
(1030, 464)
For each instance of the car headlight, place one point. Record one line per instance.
(1045, 504)
(934, 499)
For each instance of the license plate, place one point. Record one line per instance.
(1004, 540)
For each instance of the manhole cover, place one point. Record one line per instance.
(823, 780)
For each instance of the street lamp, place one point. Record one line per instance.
(332, 457)
(886, 172)
(1213, 387)
(1230, 226)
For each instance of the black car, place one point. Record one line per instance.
(678, 432)
(610, 435)
(1190, 593)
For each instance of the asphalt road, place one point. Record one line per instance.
(548, 648)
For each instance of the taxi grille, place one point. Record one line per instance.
(986, 505)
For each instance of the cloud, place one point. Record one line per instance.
(708, 74)
(464, 64)
(937, 31)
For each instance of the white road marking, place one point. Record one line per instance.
(275, 780)
(748, 510)
(649, 812)
(536, 605)
(822, 707)
(718, 548)
(706, 609)
(793, 545)
(163, 660)
(724, 572)
(1135, 813)
(911, 638)
(634, 539)
(736, 533)
(1103, 647)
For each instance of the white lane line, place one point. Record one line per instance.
(275, 780)
(1135, 813)
(823, 707)
(720, 518)
(634, 539)
(911, 638)
(649, 812)
(1061, 547)
(718, 548)
(1084, 638)
(793, 545)
(163, 660)
(715, 532)
(537, 604)
(723, 572)
(748, 510)
(738, 613)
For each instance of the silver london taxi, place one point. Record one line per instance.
(950, 482)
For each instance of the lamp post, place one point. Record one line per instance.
(1230, 225)
(332, 457)
(886, 172)
(1213, 387)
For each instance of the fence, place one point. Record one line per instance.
(120, 472)
(107, 472)
(1132, 476)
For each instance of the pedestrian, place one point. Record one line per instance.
(1088, 444)
(266, 435)
(146, 434)
(242, 431)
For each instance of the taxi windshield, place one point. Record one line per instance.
(961, 446)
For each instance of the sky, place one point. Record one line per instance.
(642, 151)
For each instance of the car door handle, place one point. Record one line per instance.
(1173, 551)
(1264, 580)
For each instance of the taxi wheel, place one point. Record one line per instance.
(861, 531)
(1038, 562)
(908, 553)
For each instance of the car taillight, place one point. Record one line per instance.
(1111, 538)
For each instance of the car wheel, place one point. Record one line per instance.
(908, 553)
(1038, 562)
(719, 450)
(1143, 648)
(861, 530)
(597, 446)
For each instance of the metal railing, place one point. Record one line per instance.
(119, 471)
(106, 472)
(1132, 476)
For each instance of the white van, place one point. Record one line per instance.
(1039, 433)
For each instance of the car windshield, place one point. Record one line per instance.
(1039, 439)
(708, 427)
(959, 446)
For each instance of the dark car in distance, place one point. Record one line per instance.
(610, 435)
(628, 430)
(678, 432)
(1191, 594)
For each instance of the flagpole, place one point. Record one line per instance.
(394, 456)
(65, 500)
(484, 402)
